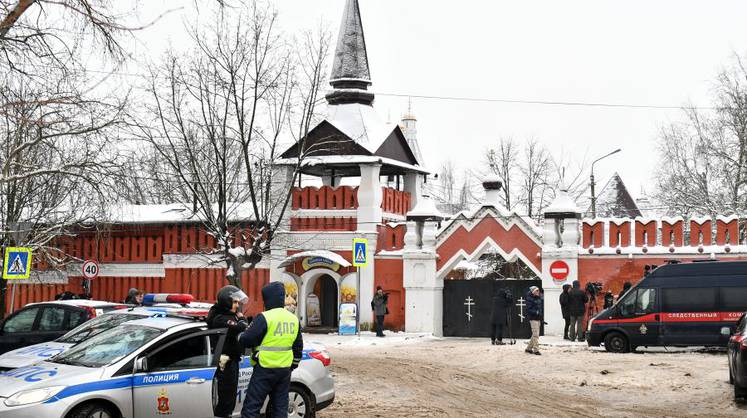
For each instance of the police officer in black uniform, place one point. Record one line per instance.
(226, 313)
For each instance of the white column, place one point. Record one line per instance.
(423, 289)
(366, 290)
(414, 186)
(369, 198)
(282, 183)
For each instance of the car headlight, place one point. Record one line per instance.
(26, 397)
(588, 326)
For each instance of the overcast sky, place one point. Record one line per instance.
(660, 53)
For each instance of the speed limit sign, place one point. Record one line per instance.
(90, 269)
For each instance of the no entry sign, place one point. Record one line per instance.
(90, 269)
(559, 270)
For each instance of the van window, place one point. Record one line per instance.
(627, 306)
(697, 299)
(646, 301)
(733, 299)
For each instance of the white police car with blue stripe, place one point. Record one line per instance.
(152, 367)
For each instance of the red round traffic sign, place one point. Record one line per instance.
(559, 270)
(90, 269)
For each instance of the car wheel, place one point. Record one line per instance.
(616, 342)
(300, 404)
(92, 410)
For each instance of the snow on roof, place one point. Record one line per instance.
(615, 201)
(467, 265)
(426, 207)
(171, 213)
(563, 203)
(361, 123)
(349, 159)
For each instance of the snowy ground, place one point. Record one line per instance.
(422, 376)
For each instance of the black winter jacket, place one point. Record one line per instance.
(577, 299)
(534, 307)
(220, 317)
(501, 302)
(565, 302)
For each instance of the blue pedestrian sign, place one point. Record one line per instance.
(17, 263)
(360, 252)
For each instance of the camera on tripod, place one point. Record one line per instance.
(594, 288)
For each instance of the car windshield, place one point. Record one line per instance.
(95, 326)
(108, 346)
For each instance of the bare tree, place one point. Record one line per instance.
(535, 171)
(502, 162)
(55, 160)
(217, 117)
(703, 158)
(452, 192)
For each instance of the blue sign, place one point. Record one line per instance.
(360, 252)
(17, 263)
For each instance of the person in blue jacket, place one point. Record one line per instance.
(535, 306)
(275, 339)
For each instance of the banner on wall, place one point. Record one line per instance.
(348, 290)
(291, 293)
(313, 312)
(348, 316)
(309, 263)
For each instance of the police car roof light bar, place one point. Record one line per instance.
(179, 298)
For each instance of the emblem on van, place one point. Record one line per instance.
(644, 330)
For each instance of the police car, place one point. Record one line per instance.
(45, 321)
(114, 314)
(148, 367)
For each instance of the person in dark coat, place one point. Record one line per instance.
(134, 297)
(499, 315)
(226, 313)
(565, 302)
(577, 307)
(626, 287)
(609, 299)
(271, 376)
(379, 306)
(535, 308)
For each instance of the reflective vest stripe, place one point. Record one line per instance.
(263, 348)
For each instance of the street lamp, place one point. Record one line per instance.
(593, 195)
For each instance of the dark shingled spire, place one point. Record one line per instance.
(350, 73)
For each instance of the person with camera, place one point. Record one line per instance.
(499, 315)
(577, 308)
(535, 307)
(378, 305)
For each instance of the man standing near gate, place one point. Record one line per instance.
(275, 339)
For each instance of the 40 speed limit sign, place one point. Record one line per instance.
(90, 269)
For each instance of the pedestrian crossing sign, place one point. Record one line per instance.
(17, 263)
(360, 252)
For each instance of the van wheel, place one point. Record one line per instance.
(616, 342)
(92, 410)
(300, 404)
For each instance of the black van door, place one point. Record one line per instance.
(690, 316)
(639, 317)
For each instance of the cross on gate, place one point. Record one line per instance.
(469, 302)
(521, 306)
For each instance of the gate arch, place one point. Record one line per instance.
(470, 235)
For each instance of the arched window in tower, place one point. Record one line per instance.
(591, 239)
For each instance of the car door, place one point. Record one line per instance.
(18, 329)
(690, 316)
(52, 323)
(735, 342)
(179, 378)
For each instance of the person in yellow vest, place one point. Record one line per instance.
(275, 339)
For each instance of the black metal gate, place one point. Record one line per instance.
(467, 307)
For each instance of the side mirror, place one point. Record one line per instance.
(141, 365)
